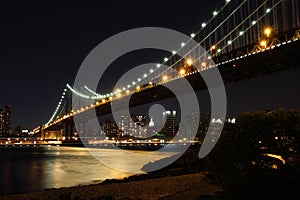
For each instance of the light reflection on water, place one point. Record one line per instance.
(25, 169)
(75, 166)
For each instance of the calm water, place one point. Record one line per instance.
(25, 169)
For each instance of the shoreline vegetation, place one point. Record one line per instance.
(255, 158)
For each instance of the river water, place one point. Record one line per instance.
(26, 169)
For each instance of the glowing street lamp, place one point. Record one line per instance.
(119, 95)
(267, 31)
(263, 43)
(189, 62)
(165, 78)
(182, 72)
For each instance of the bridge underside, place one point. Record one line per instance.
(267, 62)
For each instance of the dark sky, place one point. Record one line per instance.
(42, 46)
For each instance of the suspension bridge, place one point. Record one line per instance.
(243, 39)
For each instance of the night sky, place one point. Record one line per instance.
(42, 46)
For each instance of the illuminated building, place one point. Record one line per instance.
(133, 126)
(170, 127)
(5, 121)
(110, 129)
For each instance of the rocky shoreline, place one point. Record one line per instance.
(188, 186)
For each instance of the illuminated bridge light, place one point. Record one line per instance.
(117, 90)
(215, 13)
(165, 78)
(158, 65)
(253, 22)
(263, 43)
(267, 31)
(241, 33)
(268, 10)
(182, 44)
(189, 61)
(213, 47)
(193, 35)
(227, 1)
(173, 52)
(229, 42)
(166, 59)
(151, 70)
(203, 25)
(219, 50)
(182, 72)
